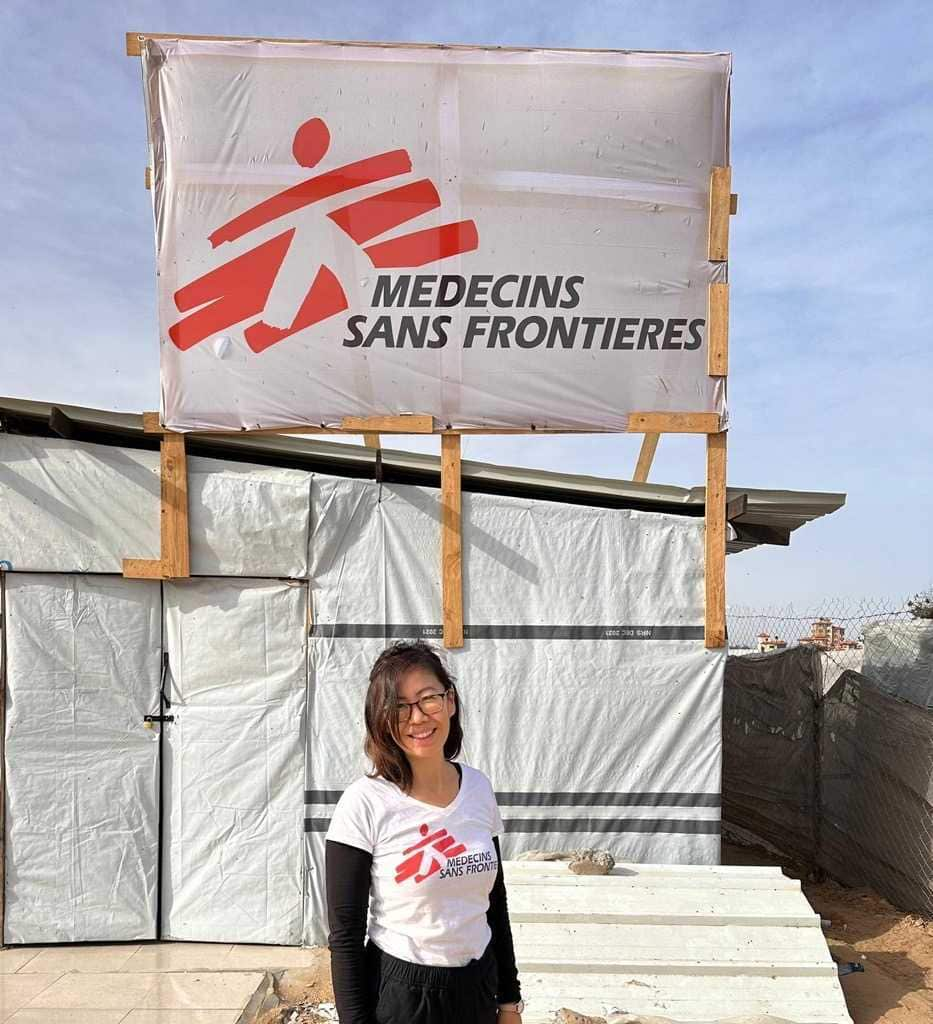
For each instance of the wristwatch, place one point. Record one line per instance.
(518, 1007)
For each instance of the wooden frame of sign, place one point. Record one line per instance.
(173, 562)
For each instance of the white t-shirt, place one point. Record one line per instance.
(433, 867)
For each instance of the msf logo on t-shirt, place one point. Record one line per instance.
(239, 289)
(441, 843)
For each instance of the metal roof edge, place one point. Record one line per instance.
(766, 508)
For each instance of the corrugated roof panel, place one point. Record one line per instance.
(770, 515)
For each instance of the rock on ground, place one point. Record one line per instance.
(581, 862)
(592, 862)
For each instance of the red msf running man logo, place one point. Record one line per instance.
(239, 290)
(440, 841)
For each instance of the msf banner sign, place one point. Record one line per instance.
(498, 239)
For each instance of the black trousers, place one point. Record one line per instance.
(401, 992)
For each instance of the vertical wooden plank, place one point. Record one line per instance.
(372, 440)
(451, 541)
(717, 326)
(716, 540)
(720, 203)
(645, 457)
(175, 555)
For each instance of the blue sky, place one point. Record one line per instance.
(831, 376)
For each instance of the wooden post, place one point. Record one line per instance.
(716, 540)
(372, 441)
(646, 457)
(451, 541)
(175, 551)
(720, 205)
(174, 559)
(717, 321)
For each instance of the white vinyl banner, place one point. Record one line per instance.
(501, 239)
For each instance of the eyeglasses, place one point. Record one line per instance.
(430, 704)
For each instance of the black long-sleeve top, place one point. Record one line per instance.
(347, 875)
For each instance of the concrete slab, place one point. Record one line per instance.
(178, 956)
(102, 991)
(67, 1017)
(86, 959)
(182, 1017)
(18, 990)
(220, 990)
(692, 943)
(269, 958)
(12, 960)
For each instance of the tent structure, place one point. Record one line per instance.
(588, 694)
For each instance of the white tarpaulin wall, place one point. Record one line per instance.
(83, 664)
(493, 237)
(67, 506)
(589, 697)
(234, 760)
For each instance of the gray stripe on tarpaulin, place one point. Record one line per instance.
(416, 631)
(651, 825)
(582, 799)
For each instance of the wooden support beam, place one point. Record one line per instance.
(61, 424)
(645, 457)
(715, 573)
(175, 553)
(720, 202)
(388, 424)
(673, 423)
(134, 40)
(152, 424)
(148, 178)
(717, 328)
(372, 441)
(174, 560)
(143, 569)
(451, 542)
(737, 507)
(760, 533)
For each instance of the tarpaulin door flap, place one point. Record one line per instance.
(83, 660)
(234, 767)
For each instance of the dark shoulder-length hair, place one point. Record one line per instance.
(382, 746)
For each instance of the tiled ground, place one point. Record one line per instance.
(158, 983)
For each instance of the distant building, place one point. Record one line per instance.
(829, 637)
(766, 643)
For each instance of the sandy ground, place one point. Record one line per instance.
(896, 949)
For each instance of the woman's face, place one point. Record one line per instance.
(422, 735)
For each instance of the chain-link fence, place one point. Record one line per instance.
(828, 742)
(890, 641)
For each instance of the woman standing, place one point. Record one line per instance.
(419, 837)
